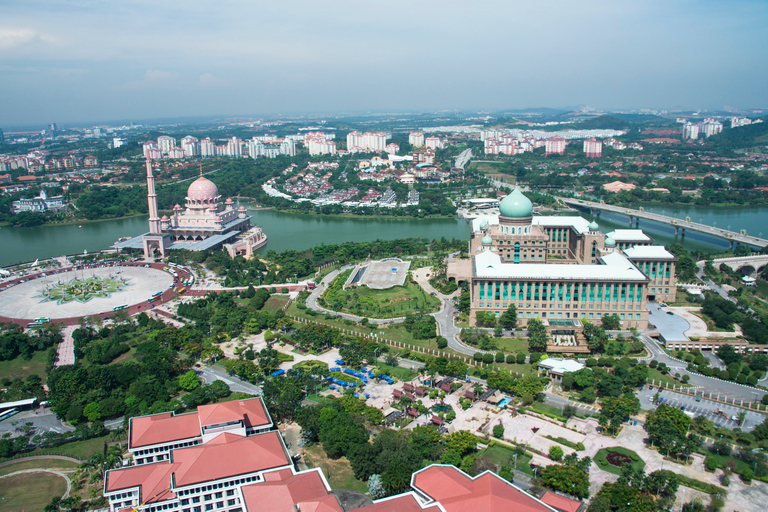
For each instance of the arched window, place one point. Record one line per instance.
(517, 252)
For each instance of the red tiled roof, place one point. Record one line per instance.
(399, 503)
(228, 455)
(153, 479)
(560, 502)
(283, 489)
(163, 428)
(457, 492)
(252, 410)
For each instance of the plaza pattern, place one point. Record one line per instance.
(83, 290)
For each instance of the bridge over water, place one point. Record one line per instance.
(680, 225)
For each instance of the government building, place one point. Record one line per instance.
(561, 270)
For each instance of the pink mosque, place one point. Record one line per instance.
(204, 223)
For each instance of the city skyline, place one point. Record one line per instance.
(78, 60)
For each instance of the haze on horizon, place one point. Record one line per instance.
(86, 60)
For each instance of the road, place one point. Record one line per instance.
(707, 384)
(42, 419)
(463, 158)
(210, 374)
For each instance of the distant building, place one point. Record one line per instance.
(434, 143)
(618, 186)
(368, 141)
(416, 139)
(593, 148)
(166, 143)
(41, 203)
(555, 146)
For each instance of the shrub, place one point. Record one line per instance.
(747, 475)
(520, 358)
(741, 379)
(725, 481)
(746, 439)
(653, 364)
(591, 361)
(710, 463)
(535, 356)
(487, 358)
(511, 358)
(478, 356)
(686, 378)
(707, 371)
(580, 446)
(724, 374)
(441, 342)
(555, 453)
(500, 357)
(498, 431)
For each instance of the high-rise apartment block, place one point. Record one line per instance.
(416, 139)
(593, 148)
(555, 146)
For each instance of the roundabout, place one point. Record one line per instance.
(73, 293)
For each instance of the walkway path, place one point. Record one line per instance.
(65, 353)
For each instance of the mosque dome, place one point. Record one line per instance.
(516, 205)
(217, 219)
(164, 217)
(229, 200)
(483, 224)
(610, 242)
(177, 207)
(487, 240)
(593, 226)
(242, 209)
(202, 189)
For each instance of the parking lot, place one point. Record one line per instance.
(704, 408)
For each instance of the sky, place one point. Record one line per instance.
(71, 61)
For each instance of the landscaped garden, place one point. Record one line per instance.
(614, 458)
(396, 301)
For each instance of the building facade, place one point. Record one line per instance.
(560, 269)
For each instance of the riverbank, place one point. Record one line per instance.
(313, 213)
(73, 221)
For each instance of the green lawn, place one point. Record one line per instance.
(22, 464)
(512, 345)
(505, 456)
(638, 464)
(654, 374)
(275, 303)
(396, 371)
(547, 410)
(33, 491)
(22, 368)
(81, 450)
(338, 472)
(392, 302)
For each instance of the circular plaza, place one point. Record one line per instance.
(75, 293)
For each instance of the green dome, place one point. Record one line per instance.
(483, 224)
(516, 205)
(487, 240)
(610, 242)
(593, 226)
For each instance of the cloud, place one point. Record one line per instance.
(11, 38)
(152, 78)
(207, 80)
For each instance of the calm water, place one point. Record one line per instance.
(290, 231)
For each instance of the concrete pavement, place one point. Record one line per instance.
(211, 374)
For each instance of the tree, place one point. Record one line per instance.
(92, 411)
(555, 453)
(537, 336)
(396, 477)
(189, 381)
(566, 479)
(728, 354)
(376, 488)
(667, 428)
(615, 410)
(461, 442)
(595, 335)
(611, 322)
(508, 318)
(498, 431)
